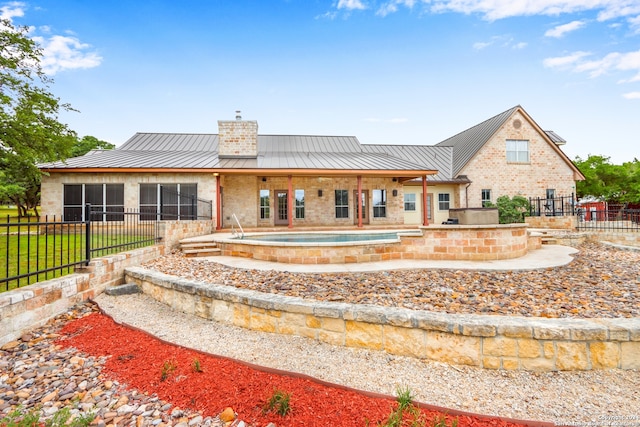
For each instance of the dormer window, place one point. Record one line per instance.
(517, 151)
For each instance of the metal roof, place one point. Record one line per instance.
(467, 143)
(429, 156)
(557, 139)
(200, 151)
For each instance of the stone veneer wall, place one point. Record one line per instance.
(489, 169)
(492, 342)
(444, 242)
(32, 306)
(238, 138)
(553, 222)
(241, 196)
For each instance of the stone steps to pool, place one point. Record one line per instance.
(199, 249)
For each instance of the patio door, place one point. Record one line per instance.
(282, 207)
(363, 203)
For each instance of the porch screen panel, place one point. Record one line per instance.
(148, 201)
(188, 202)
(72, 202)
(169, 204)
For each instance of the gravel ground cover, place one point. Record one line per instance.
(589, 398)
(602, 281)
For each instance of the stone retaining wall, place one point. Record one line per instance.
(32, 306)
(492, 342)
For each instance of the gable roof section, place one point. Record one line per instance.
(467, 143)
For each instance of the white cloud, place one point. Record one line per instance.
(632, 95)
(481, 45)
(12, 10)
(351, 5)
(499, 9)
(561, 30)
(615, 61)
(392, 6)
(520, 45)
(634, 23)
(66, 53)
(59, 53)
(564, 61)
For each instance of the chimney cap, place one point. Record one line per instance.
(238, 116)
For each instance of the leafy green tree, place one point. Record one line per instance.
(511, 210)
(607, 181)
(30, 130)
(88, 143)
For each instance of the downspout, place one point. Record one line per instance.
(466, 195)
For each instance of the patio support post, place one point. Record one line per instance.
(290, 201)
(359, 201)
(218, 204)
(425, 207)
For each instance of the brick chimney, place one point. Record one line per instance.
(238, 138)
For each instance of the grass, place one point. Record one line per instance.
(168, 367)
(407, 414)
(279, 402)
(26, 248)
(21, 418)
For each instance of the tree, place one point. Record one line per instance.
(511, 210)
(88, 143)
(607, 181)
(30, 131)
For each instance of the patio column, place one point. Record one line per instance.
(425, 207)
(290, 201)
(218, 204)
(359, 202)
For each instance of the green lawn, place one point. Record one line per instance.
(27, 249)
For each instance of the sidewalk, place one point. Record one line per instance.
(546, 257)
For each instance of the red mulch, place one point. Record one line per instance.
(137, 360)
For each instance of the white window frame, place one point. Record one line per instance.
(517, 151)
(444, 201)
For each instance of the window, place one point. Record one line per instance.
(342, 203)
(551, 193)
(379, 203)
(517, 151)
(169, 201)
(486, 197)
(410, 202)
(299, 195)
(265, 209)
(108, 199)
(443, 201)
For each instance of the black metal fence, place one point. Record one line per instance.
(41, 250)
(617, 219)
(555, 206)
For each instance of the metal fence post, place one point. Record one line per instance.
(87, 232)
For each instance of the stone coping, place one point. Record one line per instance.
(231, 238)
(493, 342)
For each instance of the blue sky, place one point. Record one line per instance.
(386, 71)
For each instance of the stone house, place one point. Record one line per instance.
(310, 181)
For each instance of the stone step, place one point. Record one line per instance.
(198, 245)
(201, 252)
(125, 289)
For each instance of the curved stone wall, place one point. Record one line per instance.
(435, 242)
(492, 342)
